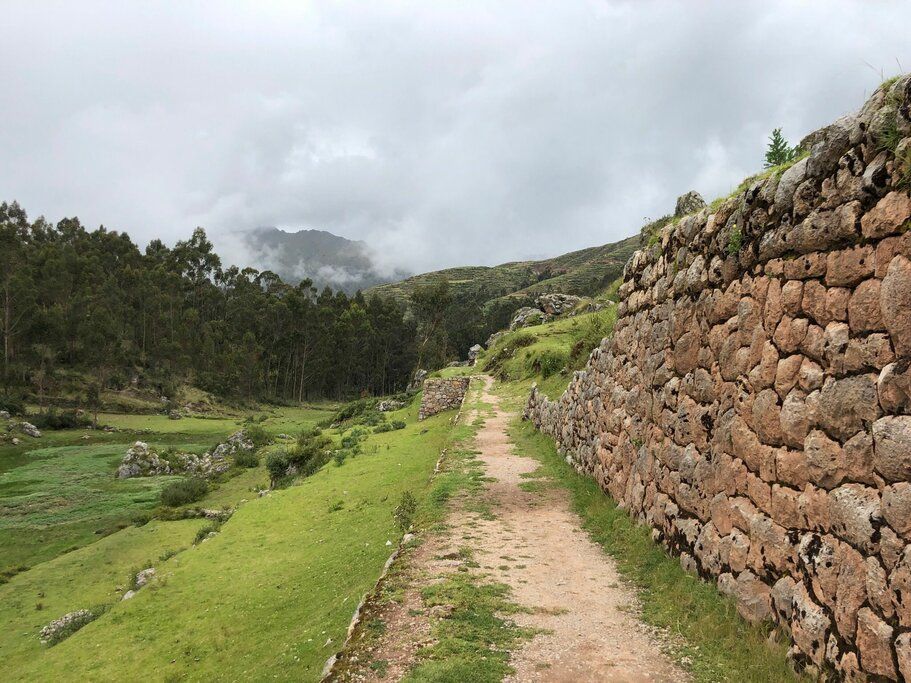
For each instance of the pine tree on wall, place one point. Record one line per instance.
(778, 151)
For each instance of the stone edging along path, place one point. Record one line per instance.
(330, 668)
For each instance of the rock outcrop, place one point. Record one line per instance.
(29, 429)
(752, 405)
(65, 626)
(526, 317)
(142, 461)
(388, 405)
(442, 394)
(691, 202)
(547, 307)
(417, 380)
(557, 304)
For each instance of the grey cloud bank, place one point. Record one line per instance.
(442, 134)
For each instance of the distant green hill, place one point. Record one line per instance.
(582, 272)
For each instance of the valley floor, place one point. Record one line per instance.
(268, 597)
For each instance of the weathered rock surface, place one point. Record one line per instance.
(388, 405)
(417, 381)
(755, 407)
(557, 304)
(66, 625)
(142, 461)
(691, 202)
(29, 429)
(527, 316)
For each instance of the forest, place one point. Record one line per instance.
(90, 301)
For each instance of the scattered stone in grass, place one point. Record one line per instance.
(62, 628)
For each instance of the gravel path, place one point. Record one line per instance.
(533, 543)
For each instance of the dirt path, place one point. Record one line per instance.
(532, 542)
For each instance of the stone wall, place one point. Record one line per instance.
(442, 394)
(754, 402)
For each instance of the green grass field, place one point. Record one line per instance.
(269, 596)
(58, 493)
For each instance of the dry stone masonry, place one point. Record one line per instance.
(442, 394)
(754, 402)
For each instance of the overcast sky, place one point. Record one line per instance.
(440, 133)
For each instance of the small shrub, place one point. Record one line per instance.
(10, 572)
(522, 339)
(248, 459)
(356, 409)
(384, 427)
(404, 511)
(67, 419)
(183, 492)
(277, 463)
(372, 419)
(339, 457)
(167, 555)
(141, 518)
(779, 151)
(550, 362)
(398, 424)
(307, 435)
(354, 437)
(170, 454)
(258, 435)
(311, 452)
(735, 241)
(14, 405)
(204, 532)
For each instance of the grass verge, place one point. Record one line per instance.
(472, 634)
(473, 642)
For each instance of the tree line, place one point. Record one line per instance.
(92, 302)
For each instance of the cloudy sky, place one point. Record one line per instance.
(441, 133)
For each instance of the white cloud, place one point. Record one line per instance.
(442, 134)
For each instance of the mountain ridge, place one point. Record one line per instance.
(321, 256)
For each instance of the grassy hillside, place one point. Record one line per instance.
(270, 596)
(548, 353)
(580, 272)
(58, 493)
